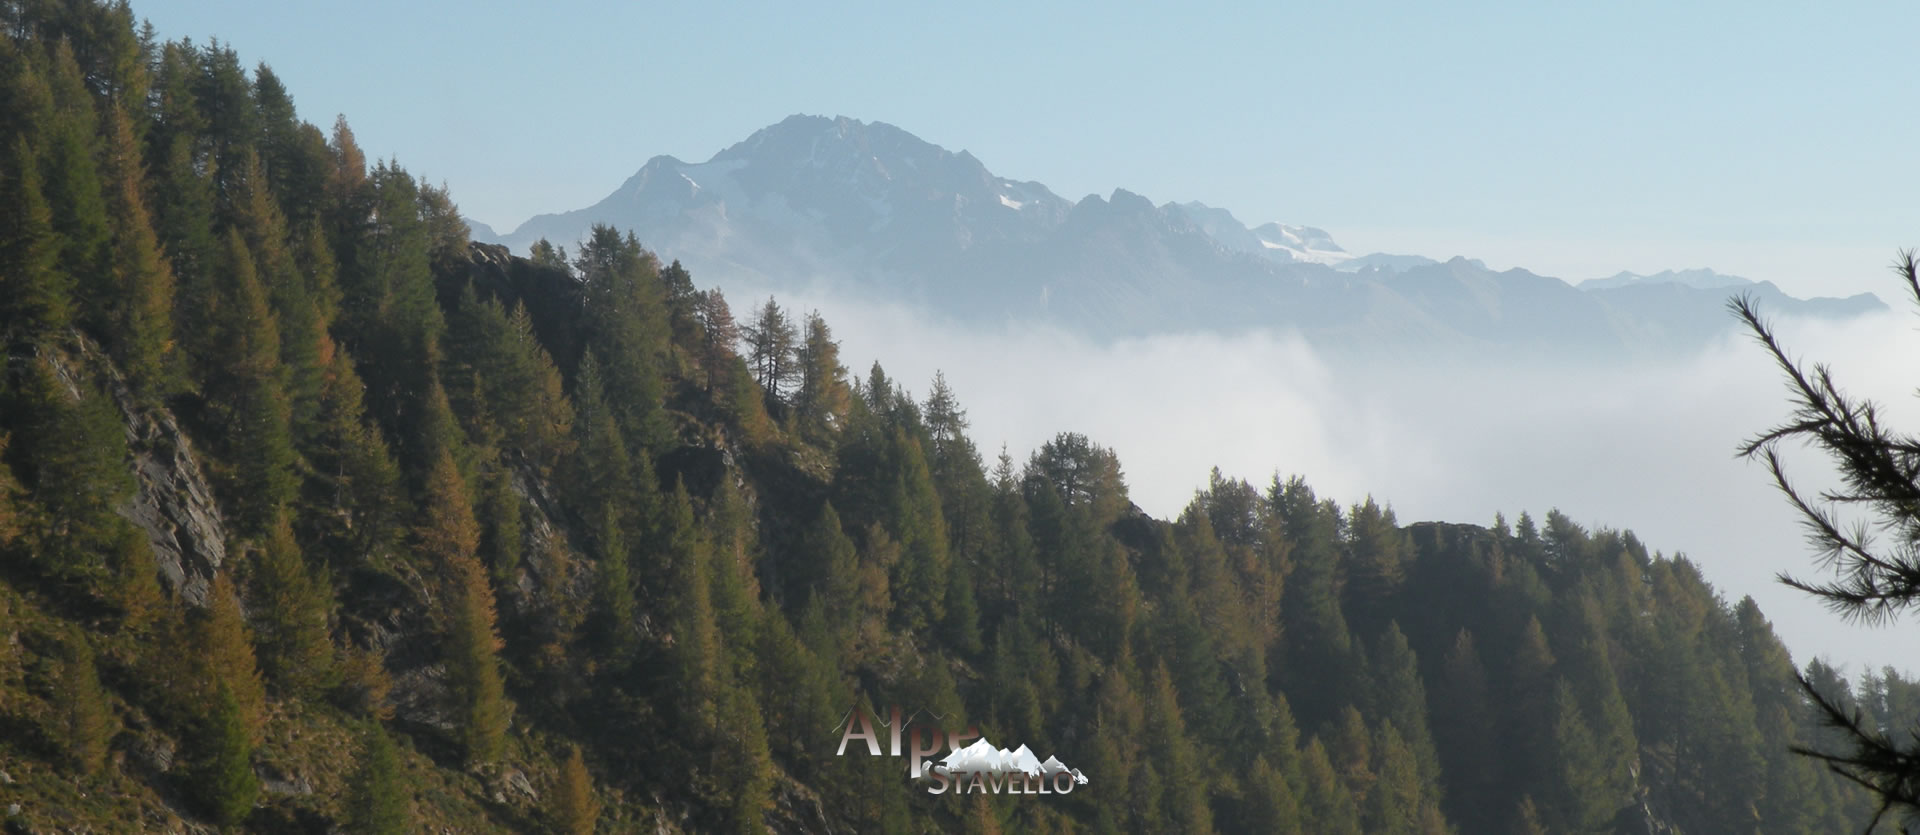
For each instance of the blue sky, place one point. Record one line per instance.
(1768, 140)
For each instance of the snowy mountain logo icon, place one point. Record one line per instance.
(967, 768)
(992, 769)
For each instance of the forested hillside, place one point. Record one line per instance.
(317, 517)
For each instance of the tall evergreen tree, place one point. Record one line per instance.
(141, 308)
(38, 299)
(626, 326)
(246, 399)
(697, 650)
(303, 339)
(74, 192)
(224, 782)
(719, 334)
(448, 536)
(84, 722)
(377, 802)
(821, 397)
(1400, 697)
(771, 341)
(574, 810)
(1324, 799)
(291, 618)
(1463, 732)
(1185, 799)
(226, 667)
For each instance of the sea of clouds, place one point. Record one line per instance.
(1647, 446)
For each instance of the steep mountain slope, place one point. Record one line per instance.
(316, 517)
(867, 208)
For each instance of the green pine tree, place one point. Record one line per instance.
(38, 300)
(140, 311)
(245, 394)
(291, 613)
(83, 720)
(1324, 799)
(224, 782)
(575, 811)
(377, 794)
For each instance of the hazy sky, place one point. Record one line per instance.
(1764, 139)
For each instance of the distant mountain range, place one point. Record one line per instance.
(872, 209)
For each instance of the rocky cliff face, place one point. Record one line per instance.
(384, 614)
(174, 504)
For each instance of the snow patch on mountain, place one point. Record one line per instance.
(1698, 279)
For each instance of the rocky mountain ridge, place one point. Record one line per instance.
(841, 206)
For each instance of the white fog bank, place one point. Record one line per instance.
(1647, 447)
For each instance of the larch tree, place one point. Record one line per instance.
(1875, 578)
(697, 649)
(1324, 799)
(377, 800)
(719, 335)
(822, 397)
(625, 325)
(575, 810)
(74, 191)
(292, 611)
(38, 294)
(142, 309)
(771, 340)
(83, 719)
(224, 782)
(448, 537)
(1185, 799)
(225, 661)
(303, 339)
(245, 393)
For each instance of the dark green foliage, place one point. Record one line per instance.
(625, 323)
(1400, 698)
(615, 608)
(575, 811)
(1873, 576)
(1323, 798)
(377, 796)
(743, 764)
(83, 721)
(139, 312)
(223, 781)
(291, 610)
(245, 394)
(351, 474)
(1270, 804)
(503, 533)
(696, 639)
(69, 451)
(72, 185)
(1183, 801)
(38, 300)
(500, 378)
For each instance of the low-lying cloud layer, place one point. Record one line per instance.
(1647, 447)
